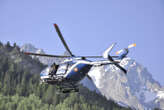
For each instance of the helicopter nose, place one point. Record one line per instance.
(43, 76)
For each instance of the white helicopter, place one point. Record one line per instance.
(67, 75)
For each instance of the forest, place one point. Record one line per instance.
(20, 87)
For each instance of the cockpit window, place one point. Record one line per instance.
(62, 68)
(45, 71)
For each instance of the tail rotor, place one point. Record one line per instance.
(122, 50)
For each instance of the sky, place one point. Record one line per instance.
(89, 27)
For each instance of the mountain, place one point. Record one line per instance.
(20, 87)
(137, 89)
(44, 60)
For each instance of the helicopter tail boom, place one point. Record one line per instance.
(110, 59)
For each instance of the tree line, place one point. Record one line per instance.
(20, 88)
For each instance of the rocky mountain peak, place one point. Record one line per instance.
(136, 89)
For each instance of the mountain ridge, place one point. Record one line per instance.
(20, 88)
(133, 89)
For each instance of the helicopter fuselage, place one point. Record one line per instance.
(68, 74)
(78, 72)
(71, 75)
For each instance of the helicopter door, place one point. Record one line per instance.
(62, 69)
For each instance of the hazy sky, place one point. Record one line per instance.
(89, 27)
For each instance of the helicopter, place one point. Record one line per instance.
(67, 75)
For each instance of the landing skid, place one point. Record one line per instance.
(68, 88)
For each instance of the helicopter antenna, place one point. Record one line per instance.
(62, 39)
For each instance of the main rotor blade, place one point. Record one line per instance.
(90, 56)
(89, 78)
(46, 55)
(62, 56)
(117, 65)
(96, 56)
(120, 67)
(62, 39)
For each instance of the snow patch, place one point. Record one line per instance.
(160, 94)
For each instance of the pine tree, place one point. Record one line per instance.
(1, 44)
(8, 44)
(14, 45)
(20, 88)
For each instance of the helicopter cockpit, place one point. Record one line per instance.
(55, 71)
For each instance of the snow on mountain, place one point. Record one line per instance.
(44, 60)
(28, 48)
(137, 89)
(160, 94)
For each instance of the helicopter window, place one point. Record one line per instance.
(45, 71)
(62, 68)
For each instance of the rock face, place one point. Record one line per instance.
(137, 89)
(44, 60)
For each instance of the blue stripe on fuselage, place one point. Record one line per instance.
(82, 71)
